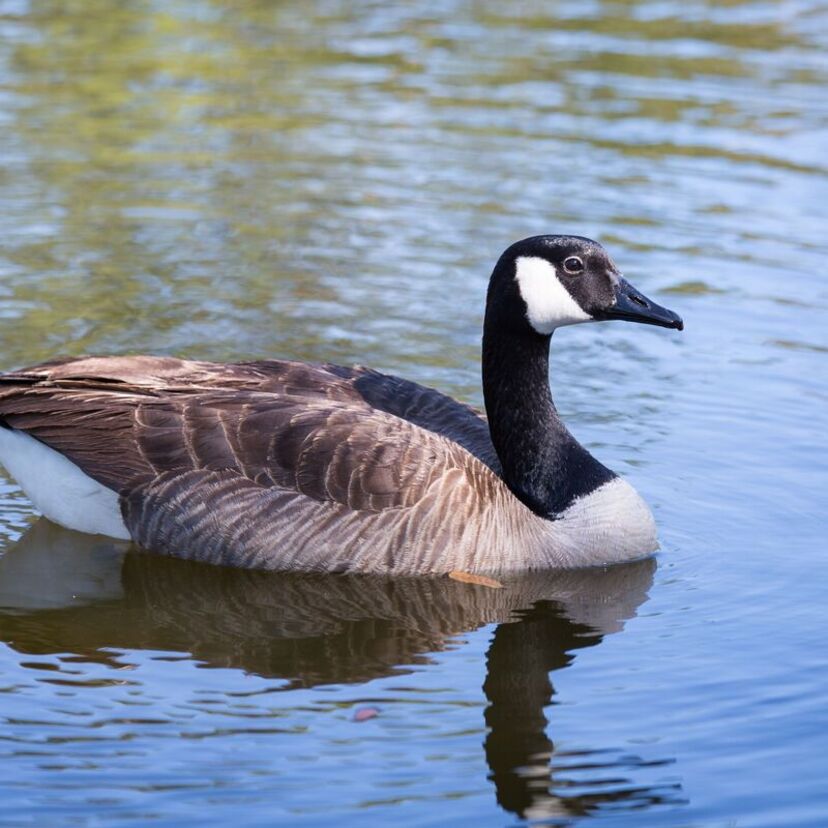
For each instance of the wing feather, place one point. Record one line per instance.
(346, 436)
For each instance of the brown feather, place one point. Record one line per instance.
(348, 436)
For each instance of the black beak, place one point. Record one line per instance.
(634, 306)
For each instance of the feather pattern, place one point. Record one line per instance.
(275, 465)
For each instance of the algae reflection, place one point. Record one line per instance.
(63, 592)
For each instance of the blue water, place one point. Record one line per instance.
(331, 181)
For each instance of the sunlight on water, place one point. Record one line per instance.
(333, 182)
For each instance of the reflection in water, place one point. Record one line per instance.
(63, 592)
(529, 774)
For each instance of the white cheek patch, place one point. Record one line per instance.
(548, 303)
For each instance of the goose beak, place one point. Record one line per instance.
(634, 306)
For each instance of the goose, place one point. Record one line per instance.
(291, 466)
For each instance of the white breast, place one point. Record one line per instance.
(59, 489)
(610, 525)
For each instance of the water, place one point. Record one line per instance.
(333, 181)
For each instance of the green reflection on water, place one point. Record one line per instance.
(178, 173)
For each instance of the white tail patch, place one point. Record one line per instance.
(548, 303)
(59, 489)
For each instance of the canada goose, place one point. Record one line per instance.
(285, 465)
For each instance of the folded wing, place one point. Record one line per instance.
(347, 436)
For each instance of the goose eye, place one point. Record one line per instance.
(573, 265)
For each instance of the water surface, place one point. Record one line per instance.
(334, 181)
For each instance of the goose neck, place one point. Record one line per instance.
(543, 465)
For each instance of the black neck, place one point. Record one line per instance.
(543, 464)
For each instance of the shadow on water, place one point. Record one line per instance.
(63, 592)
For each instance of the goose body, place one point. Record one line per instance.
(290, 466)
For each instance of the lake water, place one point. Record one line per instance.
(334, 181)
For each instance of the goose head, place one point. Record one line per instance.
(547, 282)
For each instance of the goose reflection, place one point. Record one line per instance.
(66, 592)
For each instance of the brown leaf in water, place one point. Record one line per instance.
(480, 580)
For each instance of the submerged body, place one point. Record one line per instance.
(283, 465)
